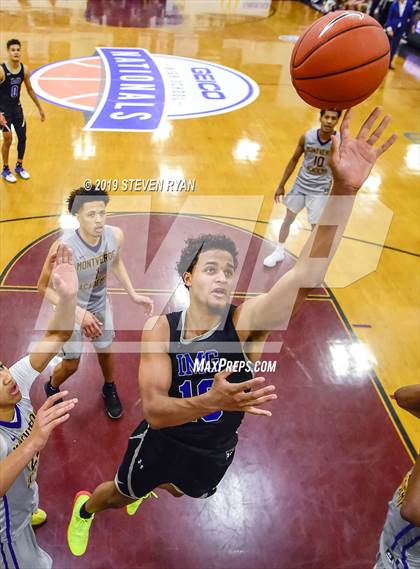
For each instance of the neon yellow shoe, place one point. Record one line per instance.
(39, 517)
(134, 506)
(78, 528)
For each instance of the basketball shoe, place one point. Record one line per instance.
(276, 256)
(113, 406)
(134, 506)
(39, 517)
(7, 175)
(20, 171)
(78, 528)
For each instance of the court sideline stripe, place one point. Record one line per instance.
(376, 380)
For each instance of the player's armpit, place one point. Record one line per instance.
(272, 310)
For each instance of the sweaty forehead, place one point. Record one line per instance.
(219, 256)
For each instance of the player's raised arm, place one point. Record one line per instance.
(43, 285)
(351, 162)
(89, 323)
(64, 281)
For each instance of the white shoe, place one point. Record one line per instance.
(22, 172)
(276, 257)
(8, 176)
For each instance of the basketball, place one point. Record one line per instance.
(340, 60)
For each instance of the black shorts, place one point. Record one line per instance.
(14, 116)
(153, 458)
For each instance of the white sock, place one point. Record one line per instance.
(280, 247)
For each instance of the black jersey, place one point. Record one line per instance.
(10, 88)
(194, 365)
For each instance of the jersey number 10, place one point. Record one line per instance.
(319, 161)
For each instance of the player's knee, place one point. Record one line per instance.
(7, 138)
(289, 219)
(71, 366)
(117, 500)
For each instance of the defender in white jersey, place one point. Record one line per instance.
(313, 182)
(399, 546)
(23, 434)
(96, 249)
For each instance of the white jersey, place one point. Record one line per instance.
(92, 264)
(21, 500)
(400, 540)
(314, 176)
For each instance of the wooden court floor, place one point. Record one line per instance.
(236, 160)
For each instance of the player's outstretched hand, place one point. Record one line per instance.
(64, 276)
(90, 326)
(352, 159)
(49, 417)
(145, 301)
(3, 121)
(228, 396)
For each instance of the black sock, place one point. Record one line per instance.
(108, 384)
(84, 514)
(57, 389)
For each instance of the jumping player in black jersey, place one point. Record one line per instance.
(193, 395)
(12, 74)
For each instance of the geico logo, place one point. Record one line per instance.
(207, 83)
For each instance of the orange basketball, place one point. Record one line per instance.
(340, 60)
